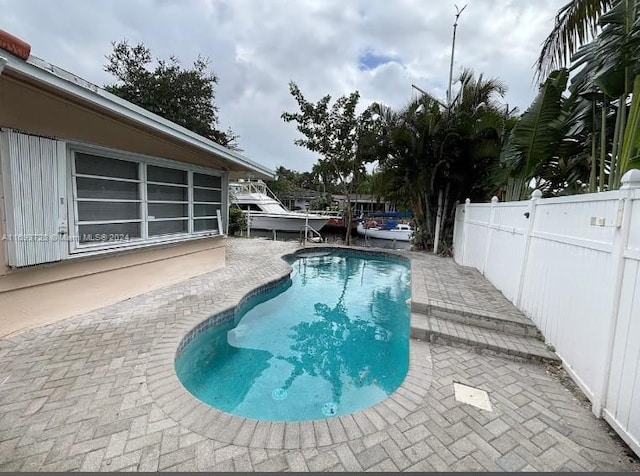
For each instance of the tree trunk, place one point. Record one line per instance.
(593, 174)
(444, 212)
(613, 166)
(436, 238)
(347, 215)
(603, 142)
(623, 126)
(428, 221)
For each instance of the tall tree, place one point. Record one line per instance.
(432, 155)
(339, 134)
(601, 38)
(408, 151)
(536, 137)
(285, 182)
(576, 24)
(184, 96)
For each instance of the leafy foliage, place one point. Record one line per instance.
(428, 150)
(601, 39)
(630, 154)
(576, 23)
(536, 138)
(237, 220)
(338, 134)
(184, 96)
(618, 48)
(288, 181)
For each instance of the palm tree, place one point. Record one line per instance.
(406, 148)
(536, 138)
(432, 155)
(575, 25)
(476, 129)
(602, 40)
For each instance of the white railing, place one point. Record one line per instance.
(571, 264)
(307, 230)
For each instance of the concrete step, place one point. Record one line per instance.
(436, 329)
(511, 322)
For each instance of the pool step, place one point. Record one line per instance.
(438, 329)
(510, 324)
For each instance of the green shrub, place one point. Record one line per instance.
(237, 220)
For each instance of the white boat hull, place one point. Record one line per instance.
(392, 234)
(285, 222)
(265, 212)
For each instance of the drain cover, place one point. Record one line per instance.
(329, 409)
(472, 396)
(279, 394)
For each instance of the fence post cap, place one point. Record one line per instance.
(536, 194)
(494, 199)
(467, 201)
(630, 180)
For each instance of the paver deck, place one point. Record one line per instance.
(440, 282)
(96, 393)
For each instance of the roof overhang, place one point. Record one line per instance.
(38, 71)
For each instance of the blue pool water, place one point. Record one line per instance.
(331, 340)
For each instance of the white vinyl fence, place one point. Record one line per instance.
(572, 265)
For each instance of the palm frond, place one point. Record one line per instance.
(536, 135)
(575, 24)
(630, 154)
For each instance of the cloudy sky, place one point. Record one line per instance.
(379, 47)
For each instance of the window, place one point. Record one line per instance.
(207, 201)
(167, 201)
(108, 199)
(250, 206)
(120, 201)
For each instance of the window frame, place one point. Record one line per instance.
(194, 203)
(147, 201)
(142, 161)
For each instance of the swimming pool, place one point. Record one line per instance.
(330, 340)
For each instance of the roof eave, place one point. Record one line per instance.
(34, 69)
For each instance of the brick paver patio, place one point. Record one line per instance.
(95, 393)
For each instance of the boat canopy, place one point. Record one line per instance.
(407, 214)
(388, 225)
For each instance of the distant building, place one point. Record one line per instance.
(362, 203)
(299, 200)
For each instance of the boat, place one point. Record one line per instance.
(265, 212)
(385, 231)
(336, 219)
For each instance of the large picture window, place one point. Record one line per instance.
(207, 201)
(108, 202)
(121, 200)
(167, 201)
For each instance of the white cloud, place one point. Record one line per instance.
(256, 48)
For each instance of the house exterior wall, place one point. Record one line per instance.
(3, 266)
(46, 293)
(38, 111)
(362, 203)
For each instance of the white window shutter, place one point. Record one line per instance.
(33, 173)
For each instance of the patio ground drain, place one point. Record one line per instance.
(472, 396)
